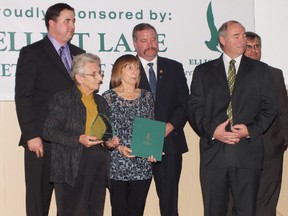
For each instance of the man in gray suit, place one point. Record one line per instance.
(40, 73)
(275, 139)
(231, 146)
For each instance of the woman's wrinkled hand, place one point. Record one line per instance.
(152, 159)
(89, 141)
(113, 142)
(125, 151)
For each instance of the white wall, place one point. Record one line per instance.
(271, 23)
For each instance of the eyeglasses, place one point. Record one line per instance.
(95, 75)
(255, 46)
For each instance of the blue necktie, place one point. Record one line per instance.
(64, 59)
(152, 80)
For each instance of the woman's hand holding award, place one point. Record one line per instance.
(102, 128)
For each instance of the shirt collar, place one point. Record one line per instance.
(227, 59)
(56, 44)
(145, 62)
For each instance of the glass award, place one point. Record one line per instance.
(102, 128)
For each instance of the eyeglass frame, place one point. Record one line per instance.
(252, 47)
(101, 73)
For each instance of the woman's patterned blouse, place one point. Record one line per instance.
(122, 114)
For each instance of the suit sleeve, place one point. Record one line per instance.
(282, 114)
(26, 76)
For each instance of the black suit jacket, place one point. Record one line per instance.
(253, 105)
(276, 137)
(171, 101)
(40, 74)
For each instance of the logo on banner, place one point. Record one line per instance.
(213, 43)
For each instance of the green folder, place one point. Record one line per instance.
(148, 138)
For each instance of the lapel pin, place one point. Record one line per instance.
(161, 73)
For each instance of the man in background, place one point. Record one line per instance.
(166, 80)
(42, 70)
(275, 139)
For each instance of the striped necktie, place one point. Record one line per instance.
(231, 82)
(63, 58)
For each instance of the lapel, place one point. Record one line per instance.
(73, 52)
(161, 68)
(220, 73)
(144, 84)
(161, 71)
(52, 53)
(244, 67)
(243, 71)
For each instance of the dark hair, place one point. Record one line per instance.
(119, 65)
(141, 27)
(54, 11)
(252, 36)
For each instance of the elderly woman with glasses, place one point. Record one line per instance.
(79, 161)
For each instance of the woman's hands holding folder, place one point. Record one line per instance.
(152, 159)
(125, 151)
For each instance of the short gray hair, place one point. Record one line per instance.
(80, 61)
(222, 30)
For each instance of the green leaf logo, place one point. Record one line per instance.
(212, 44)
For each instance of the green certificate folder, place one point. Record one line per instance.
(148, 138)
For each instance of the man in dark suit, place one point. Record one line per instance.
(40, 74)
(231, 146)
(275, 139)
(170, 96)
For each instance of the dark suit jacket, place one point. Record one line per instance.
(171, 101)
(253, 105)
(276, 137)
(40, 74)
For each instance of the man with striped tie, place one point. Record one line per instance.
(230, 112)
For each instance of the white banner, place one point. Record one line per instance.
(187, 30)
